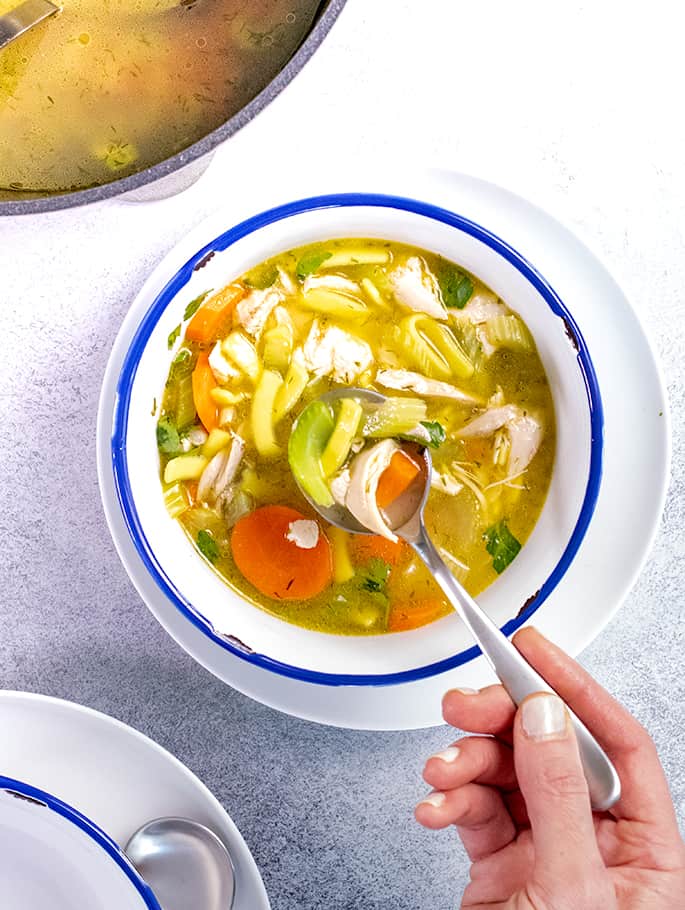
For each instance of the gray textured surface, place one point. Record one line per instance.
(327, 813)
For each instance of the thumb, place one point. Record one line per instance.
(552, 782)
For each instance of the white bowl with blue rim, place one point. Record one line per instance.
(53, 857)
(232, 622)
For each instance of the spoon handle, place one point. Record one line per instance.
(516, 674)
(24, 17)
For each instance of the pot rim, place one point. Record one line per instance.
(28, 205)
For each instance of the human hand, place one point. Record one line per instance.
(519, 799)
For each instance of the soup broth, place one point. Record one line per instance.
(462, 374)
(110, 87)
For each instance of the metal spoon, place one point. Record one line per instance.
(405, 517)
(184, 863)
(24, 17)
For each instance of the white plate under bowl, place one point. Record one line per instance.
(572, 614)
(113, 775)
(52, 855)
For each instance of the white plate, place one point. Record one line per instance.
(636, 451)
(114, 775)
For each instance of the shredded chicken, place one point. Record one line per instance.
(221, 366)
(446, 484)
(219, 474)
(253, 311)
(482, 306)
(365, 473)
(415, 287)
(406, 381)
(331, 351)
(524, 430)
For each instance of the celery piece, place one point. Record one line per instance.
(335, 303)
(176, 500)
(356, 256)
(340, 442)
(291, 391)
(216, 441)
(185, 402)
(278, 347)
(226, 399)
(262, 414)
(432, 348)
(343, 570)
(394, 417)
(310, 434)
(240, 351)
(185, 467)
(508, 331)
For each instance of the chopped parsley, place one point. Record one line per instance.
(208, 546)
(456, 287)
(173, 336)
(168, 440)
(376, 575)
(310, 263)
(436, 431)
(195, 305)
(501, 545)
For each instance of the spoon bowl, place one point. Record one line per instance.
(185, 864)
(405, 518)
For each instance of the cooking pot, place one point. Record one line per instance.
(176, 173)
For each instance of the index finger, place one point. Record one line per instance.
(645, 795)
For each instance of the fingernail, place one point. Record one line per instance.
(436, 800)
(465, 691)
(450, 754)
(544, 717)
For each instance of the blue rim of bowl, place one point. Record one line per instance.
(223, 242)
(26, 791)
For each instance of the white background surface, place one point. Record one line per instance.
(577, 107)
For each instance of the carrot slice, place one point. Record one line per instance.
(211, 318)
(273, 563)
(203, 383)
(371, 546)
(396, 478)
(405, 616)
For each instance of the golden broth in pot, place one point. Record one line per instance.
(110, 87)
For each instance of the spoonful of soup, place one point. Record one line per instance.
(24, 17)
(380, 486)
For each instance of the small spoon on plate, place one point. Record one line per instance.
(405, 518)
(23, 17)
(184, 863)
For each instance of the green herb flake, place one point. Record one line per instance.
(376, 575)
(501, 545)
(456, 287)
(195, 305)
(171, 340)
(168, 440)
(208, 546)
(436, 431)
(310, 262)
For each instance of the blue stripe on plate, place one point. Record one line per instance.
(101, 839)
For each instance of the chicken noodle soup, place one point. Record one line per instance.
(110, 87)
(241, 419)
